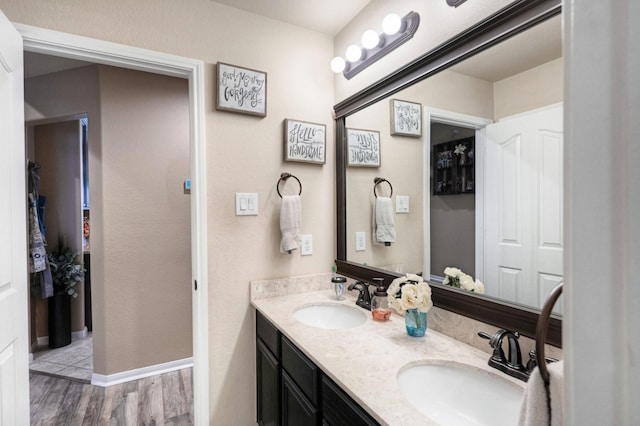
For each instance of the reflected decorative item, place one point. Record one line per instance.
(406, 118)
(415, 322)
(241, 90)
(454, 277)
(364, 148)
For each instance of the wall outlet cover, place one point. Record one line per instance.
(306, 245)
(361, 244)
(402, 204)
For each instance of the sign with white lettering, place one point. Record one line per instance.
(406, 118)
(241, 90)
(304, 141)
(364, 148)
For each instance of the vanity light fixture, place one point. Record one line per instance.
(395, 32)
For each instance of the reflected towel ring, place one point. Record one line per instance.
(379, 180)
(284, 177)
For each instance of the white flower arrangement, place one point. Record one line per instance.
(454, 277)
(409, 292)
(459, 149)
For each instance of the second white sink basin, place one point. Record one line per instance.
(456, 394)
(330, 316)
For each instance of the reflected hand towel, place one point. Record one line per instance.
(385, 227)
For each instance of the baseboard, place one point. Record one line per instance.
(75, 335)
(43, 341)
(140, 373)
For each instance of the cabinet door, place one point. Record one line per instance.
(268, 386)
(296, 408)
(338, 409)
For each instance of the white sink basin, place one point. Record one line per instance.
(456, 394)
(330, 316)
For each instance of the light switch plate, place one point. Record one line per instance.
(306, 245)
(246, 204)
(361, 244)
(402, 204)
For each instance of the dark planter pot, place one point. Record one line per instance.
(59, 320)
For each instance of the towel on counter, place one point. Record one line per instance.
(535, 407)
(290, 222)
(385, 231)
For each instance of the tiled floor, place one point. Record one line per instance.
(73, 361)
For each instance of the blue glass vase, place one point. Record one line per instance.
(416, 322)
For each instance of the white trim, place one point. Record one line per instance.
(92, 50)
(463, 120)
(105, 381)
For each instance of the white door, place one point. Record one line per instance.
(14, 367)
(523, 206)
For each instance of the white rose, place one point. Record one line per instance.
(479, 288)
(393, 288)
(424, 297)
(467, 282)
(409, 296)
(452, 272)
(414, 277)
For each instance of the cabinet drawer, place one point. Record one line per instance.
(338, 409)
(301, 369)
(268, 333)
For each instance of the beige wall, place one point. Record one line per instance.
(531, 89)
(143, 238)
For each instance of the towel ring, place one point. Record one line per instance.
(541, 331)
(284, 177)
(379, 180)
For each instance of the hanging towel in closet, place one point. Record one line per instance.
(385, 231)
(536, 409)
(290, 222)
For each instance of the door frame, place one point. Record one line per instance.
(434, 115)
(66, 45)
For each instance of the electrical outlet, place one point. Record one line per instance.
(306, 245)
(402, 204)
(361, 244)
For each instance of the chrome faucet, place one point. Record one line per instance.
(512, 363)
(364, 298)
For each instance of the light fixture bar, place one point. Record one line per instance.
(388, 43)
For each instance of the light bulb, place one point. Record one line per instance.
(370, 39)
(354, 53)
(337, 64)
(391, 24)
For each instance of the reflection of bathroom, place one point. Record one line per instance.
(58, 153)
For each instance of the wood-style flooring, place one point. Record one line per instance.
(166, 399)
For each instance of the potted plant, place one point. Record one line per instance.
(66, 273)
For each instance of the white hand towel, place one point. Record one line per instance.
(385, 230)
(534, 410)
(290, 222)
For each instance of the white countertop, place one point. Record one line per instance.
(365, 360)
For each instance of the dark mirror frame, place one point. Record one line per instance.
(507, 22)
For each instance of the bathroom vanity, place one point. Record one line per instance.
(307, 375)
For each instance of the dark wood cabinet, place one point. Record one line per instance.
(268, 371)
(297, 410)
(339, 409)
(293, 391)
(453, 167)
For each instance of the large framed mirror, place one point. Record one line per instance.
(496, 210)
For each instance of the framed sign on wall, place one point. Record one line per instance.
(406, 118)
(304, 142)
(364, 148)
(241, 90)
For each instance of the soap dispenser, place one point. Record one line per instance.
(379, 305)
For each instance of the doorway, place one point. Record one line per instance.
(81, 48)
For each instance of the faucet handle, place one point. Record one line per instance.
(496, 343)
